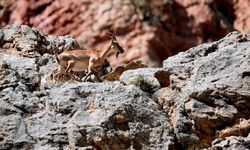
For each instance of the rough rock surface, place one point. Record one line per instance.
(37, 113)
(32, 42)
(213, 88)
(156, 77)
(202, 99)
(149, 30)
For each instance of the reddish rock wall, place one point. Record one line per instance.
(148, 30)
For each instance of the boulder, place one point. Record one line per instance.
(211, 86)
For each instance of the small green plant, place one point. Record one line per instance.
(143, 83)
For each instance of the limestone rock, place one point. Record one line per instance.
(231, 143)
(210, 87)
(155, 78)
(33, 42)
(200, 100)
(40, 114)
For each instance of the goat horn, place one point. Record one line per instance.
(111, 35)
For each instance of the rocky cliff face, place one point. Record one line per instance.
(148, 30)
(200, 99)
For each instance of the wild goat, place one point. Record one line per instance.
(86, 60)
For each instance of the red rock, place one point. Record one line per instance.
(242, 13)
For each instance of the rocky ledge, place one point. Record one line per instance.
(200, 99)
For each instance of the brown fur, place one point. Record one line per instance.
(85, 60)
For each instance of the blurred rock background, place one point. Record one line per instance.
(149, 30)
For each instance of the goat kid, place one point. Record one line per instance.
(86, 60)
